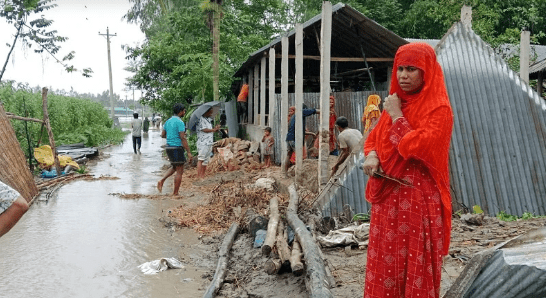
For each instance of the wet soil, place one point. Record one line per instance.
(247, 278)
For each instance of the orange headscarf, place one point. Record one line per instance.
(371, 112)
(243, 94)
(430, 115)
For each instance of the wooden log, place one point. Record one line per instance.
(318, 284)
(271, 226)
(223, 258)
(50, 132)
(272, 266)
(282, 244)
(295, 259)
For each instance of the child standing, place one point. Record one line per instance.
(268, 141)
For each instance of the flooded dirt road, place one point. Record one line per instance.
(84, 242)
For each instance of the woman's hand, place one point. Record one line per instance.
(393, 106)
(371, 164)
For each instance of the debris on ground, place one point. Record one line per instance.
(156, 266)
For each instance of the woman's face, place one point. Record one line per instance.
(410, 78)
(332, 102)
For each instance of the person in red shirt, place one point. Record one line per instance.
(410, 224)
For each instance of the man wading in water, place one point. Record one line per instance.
(174, 130)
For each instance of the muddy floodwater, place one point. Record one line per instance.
(84, 242)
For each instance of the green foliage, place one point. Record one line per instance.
(72, 120)
(175, 62)
(361, 216)
(526, 215)
(506, 217)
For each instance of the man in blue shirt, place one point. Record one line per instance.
(174, 130)
(291, 135)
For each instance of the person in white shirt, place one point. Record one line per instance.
(136, 125)
(12, 208)
(205, 138)
(349, 140)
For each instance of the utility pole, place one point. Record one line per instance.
(110, 69)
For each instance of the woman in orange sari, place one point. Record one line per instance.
(410, 224)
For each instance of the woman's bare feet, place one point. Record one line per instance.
(160, 185)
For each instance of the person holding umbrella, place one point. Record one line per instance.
(205, 138)
(174, 130)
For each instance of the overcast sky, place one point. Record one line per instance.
(81, 22)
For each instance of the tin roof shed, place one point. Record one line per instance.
(353, 35)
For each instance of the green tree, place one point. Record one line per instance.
(35, 32)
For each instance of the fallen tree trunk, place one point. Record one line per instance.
(223, 258)
(271, 226)
(295, 259)
(318, 284)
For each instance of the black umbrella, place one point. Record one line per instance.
(202, 109)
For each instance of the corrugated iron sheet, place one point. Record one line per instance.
(498, 148)
(514, 270)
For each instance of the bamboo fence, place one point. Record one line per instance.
(14, 170)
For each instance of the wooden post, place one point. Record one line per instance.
(284, 101)
(540, 82)
(524, 56)
(272, 99)
(299, 103)
(250, 103)
(389, 75)
(262, 92)
(324, 149)
(256, 107)
(269, 241)
(50, 133)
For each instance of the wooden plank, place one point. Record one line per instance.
(250, 104)
(256, 95)
(342, 59)
(284, 100)
(262, 91)
(272, 100)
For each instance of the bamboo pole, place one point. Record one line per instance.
(50, 132)
(223, 258)
(13, 116)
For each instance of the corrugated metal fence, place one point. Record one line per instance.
(498, 147)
